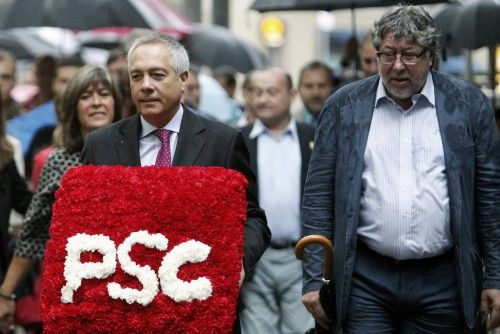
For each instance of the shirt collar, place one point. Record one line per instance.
(427, 92)
(259, 129)
(174, 125)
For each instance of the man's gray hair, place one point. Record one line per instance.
(179, 58)
(411, 22)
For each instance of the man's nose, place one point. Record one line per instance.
(147, 82)
(316, 90)
(398, 64)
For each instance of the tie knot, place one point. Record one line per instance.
(162, 134)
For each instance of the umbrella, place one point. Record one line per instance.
(444, 16)
(478, 25)
(327, 291)
(329, 5)
(89, 14)
(215, 46)
(28, 43)
(16, 46)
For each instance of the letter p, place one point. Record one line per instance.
(75, 271)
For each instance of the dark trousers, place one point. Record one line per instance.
(407, 297)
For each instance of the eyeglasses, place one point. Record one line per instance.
(407, 58)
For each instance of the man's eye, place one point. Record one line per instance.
(135, 77)
(158, 76)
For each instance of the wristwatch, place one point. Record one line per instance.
(9, 297)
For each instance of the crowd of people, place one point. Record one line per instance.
(398, 168)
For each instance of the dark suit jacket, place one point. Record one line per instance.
(472, 156)
(14, 194)
(306, 139)
(201, 142)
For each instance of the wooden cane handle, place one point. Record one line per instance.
(328, 250)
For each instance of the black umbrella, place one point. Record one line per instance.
(329, 5)
(215, 46)
(478, 25)
(327, 291)
(89, 14)
(15, 46)
(444, 16)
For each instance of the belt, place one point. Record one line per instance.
(429, 261)
(282, 244)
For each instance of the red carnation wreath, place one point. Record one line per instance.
(144, 250)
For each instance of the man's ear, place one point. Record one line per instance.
(183, 77)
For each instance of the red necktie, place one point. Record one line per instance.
(163, 158)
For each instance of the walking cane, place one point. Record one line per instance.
(327, 291)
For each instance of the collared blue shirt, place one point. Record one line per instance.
(405, 210)
(279, 166)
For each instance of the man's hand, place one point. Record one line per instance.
(7, 308)
(242, 276)
(490, 305)
(313, 305)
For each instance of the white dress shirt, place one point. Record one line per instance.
(149, 144)
(405, 211)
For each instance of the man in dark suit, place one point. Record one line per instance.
(158, 69)
(280, 149)
(404, 180)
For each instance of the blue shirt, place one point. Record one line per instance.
(279, 166)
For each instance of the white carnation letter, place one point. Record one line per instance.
(144, 274)
(75, 271)
(191, 251)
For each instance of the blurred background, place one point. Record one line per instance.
(243, 34)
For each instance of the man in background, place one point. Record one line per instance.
(192, 94)
(368, 56)
(226, 77)
(316, 84)
(280, 149)
(25, 126)
(7, 82)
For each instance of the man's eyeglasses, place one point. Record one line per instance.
(407, 58)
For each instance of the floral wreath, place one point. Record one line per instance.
(144, 250)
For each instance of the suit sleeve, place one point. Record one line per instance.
(487, 193)
(87, 151)
(257, 235)
(319, 197)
